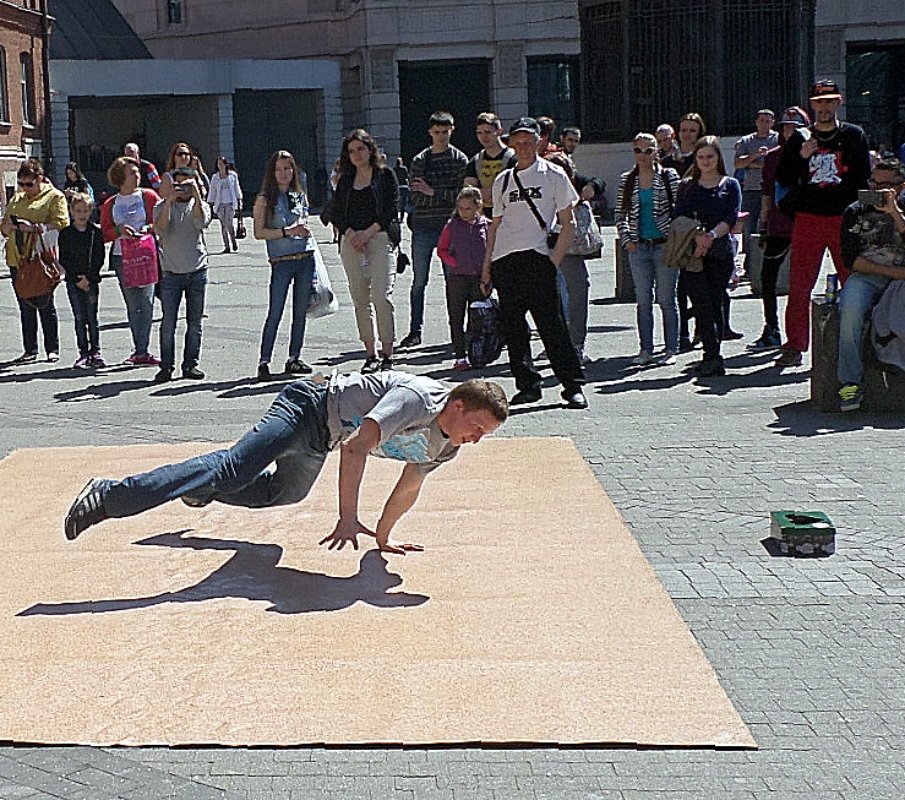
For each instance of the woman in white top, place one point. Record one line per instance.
(129, 214)
(226, 198)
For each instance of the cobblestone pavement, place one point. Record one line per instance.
(809, 650)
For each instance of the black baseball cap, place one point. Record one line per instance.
(526, 124)
(826, 88)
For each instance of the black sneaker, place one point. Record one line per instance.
(295, 366)
(386, 362)
(26, 358)
(412, 340)
(193, 374)
(163, 375)
(524, 396)
(769, 340)
(574, 398)
(372, 364)
(87, 510)
(264, 372)
(685, 345)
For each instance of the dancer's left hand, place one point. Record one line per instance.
(344, 533)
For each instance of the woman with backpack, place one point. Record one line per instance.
(644, 209)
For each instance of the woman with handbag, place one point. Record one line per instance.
(36, 208)
(713, 198)
(225, 198)
(126, 220)
(365, 212)
(644, 209)
(281, 220)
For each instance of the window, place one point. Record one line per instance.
(174, 12)
(647, 63)
(553, 89)
(4, 89)
(28, 89)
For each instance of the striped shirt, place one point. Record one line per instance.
(444, 173)
(628, 213)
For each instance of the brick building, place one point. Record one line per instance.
(23, 27)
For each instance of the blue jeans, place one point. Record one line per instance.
(424, 242)
(139, 308)
(293, 434)
(299, 275)
(84, 310)
(29, 311)
(648, 272)
(856, 300)
(172, 288)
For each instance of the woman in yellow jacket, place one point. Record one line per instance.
(35, 208)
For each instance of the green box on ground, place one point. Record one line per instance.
(806, 533)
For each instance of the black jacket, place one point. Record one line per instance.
(386, 193)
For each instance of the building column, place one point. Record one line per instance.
(59, 135)
(225, 142)
(510, 88)
(382, 100)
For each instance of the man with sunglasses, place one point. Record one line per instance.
(823, 166)
(873, 248)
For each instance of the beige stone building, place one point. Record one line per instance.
(399, 59)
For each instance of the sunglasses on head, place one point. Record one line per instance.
(648, 151)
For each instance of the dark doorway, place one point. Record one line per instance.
(460, 87)
(278, 119)
(875, 92)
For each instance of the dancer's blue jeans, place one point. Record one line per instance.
(292, 434)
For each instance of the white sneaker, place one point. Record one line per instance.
(643, 358)
(669, 358)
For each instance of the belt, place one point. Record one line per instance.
(659, 240)
(292, 257)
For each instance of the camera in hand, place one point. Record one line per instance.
(871, 197)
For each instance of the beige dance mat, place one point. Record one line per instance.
(531, 616)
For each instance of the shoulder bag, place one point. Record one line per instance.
(38, 273)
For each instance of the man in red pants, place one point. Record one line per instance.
(822, 166)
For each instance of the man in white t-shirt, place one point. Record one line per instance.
(528, 200)
(409, 418)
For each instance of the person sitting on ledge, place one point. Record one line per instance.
(392, 414)
(873, 248)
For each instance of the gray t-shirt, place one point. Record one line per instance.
(404, 406)
(751, 144)
(182, 247)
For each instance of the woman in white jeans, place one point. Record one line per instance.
(225, 198)
(644, 209)
(365, 212)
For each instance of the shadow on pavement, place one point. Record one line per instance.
(253, 574)
(804, 419)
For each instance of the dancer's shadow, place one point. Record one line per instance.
(252, 573)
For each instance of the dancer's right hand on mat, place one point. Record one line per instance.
(346, 532)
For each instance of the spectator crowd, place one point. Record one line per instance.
(514, 223)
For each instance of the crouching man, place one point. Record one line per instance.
(392, 414)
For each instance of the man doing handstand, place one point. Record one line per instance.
(392, 414)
